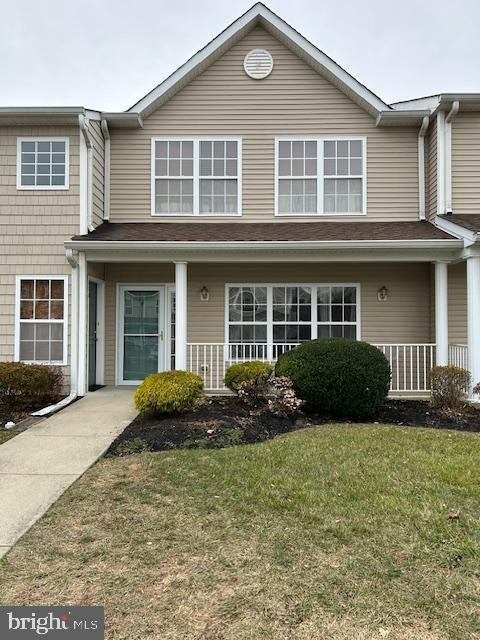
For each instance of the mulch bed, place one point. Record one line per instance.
(217, 422)
(419, 413)
(224, 421)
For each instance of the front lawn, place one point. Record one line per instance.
(5, 434)
(335, 532)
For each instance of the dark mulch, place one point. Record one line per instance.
(224, 421)
(217, 422)
(419, 413)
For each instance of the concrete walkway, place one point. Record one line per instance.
(38, 465)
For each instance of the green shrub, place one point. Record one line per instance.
(25, 387)
(449, 386)
(338, 377)
(168, 392)
(252, 372)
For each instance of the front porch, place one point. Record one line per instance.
(203, 317)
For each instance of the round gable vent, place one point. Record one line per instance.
(258, 64)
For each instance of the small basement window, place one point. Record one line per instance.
(42, 163)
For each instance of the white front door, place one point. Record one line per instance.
(141, 332)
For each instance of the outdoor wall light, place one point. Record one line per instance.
(382, 294)
(204, 294)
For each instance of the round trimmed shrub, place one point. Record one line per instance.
(253, 371)
(168, 392)
(338, 377)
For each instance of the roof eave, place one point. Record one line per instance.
(401, 118)
(40, 115)
(133, 245)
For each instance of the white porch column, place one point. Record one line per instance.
(473, 303)
(82, 323)
(441, 312)
(180, 315)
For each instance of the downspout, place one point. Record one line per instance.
(106, 171)
(87, 174)
(421, 168)
(448, 155)
(440, 163)
(53, 408)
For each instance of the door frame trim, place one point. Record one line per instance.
(152, 286)
(100, 357)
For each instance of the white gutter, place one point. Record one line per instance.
(95, 245)
(106, 171)
(448, 155)
(86, 176)
(455, 228)
(421, 168)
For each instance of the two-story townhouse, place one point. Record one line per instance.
(258, 197)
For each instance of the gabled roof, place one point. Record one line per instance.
(260, 15)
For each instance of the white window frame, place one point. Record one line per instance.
(34, 187)
(18, 321)
(314, 301)
(196, 175)
(320, 174)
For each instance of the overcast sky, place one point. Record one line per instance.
(107, 54)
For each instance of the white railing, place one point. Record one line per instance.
(458, 355)
(410, 363)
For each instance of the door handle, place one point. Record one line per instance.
(161, 335)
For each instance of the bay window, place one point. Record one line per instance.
(321, 176)
(41, 319)
(197, 176)
(263, 320)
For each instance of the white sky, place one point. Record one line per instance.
(107, 54)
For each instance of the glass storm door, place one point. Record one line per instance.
(141, 348)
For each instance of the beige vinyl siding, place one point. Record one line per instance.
(33, 226)
(98, 172)
(466, 163)
(431, 199)
(457, 303)
(404, 317)
(293, 100)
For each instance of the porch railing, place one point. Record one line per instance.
(458, 355)
(410, 363)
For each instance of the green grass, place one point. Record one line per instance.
(5, 434)
(338, 532)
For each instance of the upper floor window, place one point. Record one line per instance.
(196, 176)
(321, 176)
(42, 163)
